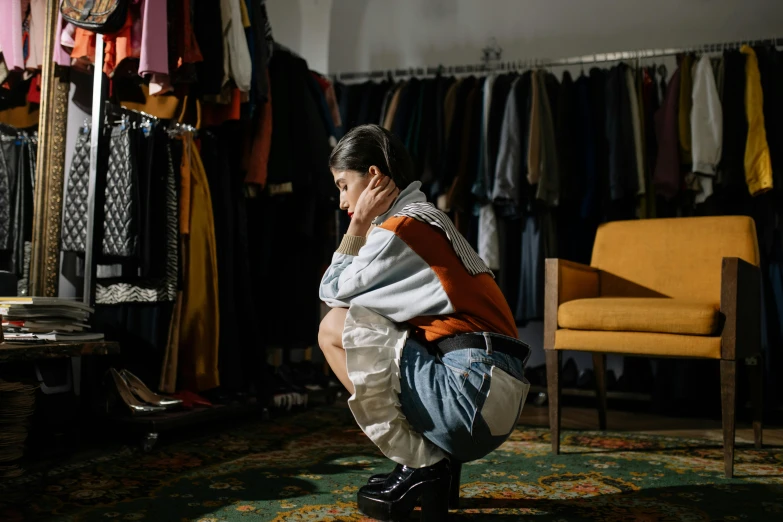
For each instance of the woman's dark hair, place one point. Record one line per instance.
(369, 145)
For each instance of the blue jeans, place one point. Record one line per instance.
(445, 397)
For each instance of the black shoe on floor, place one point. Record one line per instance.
(403, 489)
(456, 471)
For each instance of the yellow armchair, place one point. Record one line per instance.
(686, 287)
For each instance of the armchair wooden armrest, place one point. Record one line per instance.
(740, 305)
(566, 281)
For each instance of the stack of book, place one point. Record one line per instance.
(37, 319)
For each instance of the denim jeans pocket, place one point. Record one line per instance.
(498, 405)
(503, 403)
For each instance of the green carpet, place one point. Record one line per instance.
(308, 466)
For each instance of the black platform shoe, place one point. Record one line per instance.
(456, 471)
(393, 499)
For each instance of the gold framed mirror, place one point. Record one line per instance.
(48, 189)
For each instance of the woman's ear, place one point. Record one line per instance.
(373, 170)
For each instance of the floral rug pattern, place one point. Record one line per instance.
(308, 467)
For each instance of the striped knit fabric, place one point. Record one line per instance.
(427, 213)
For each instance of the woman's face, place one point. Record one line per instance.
(351, 184)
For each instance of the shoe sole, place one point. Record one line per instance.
(400, 509)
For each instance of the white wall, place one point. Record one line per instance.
(380, 34)
(303, 26)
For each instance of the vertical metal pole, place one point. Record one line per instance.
(95, 140)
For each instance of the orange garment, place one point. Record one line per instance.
(477, 300)
(117, 46)
(137, 97)
(215, 114)
(262, 143)
(199, 326)
(184, 187)
(83, 45)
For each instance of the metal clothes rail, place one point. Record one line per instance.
(528, 63)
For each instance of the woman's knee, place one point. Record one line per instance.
(330, 333)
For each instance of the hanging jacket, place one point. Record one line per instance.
(208, 29)
(758, 164)
(451, 160)
(548, 189)
(667, 167)
(636, 123)
(623, 179)
(771, 68)
(735, 123)
(534, 134)
(686, 88)
(513, 149)
(706, 126)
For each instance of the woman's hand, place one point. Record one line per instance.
(373, 201)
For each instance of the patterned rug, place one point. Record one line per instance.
(308, 467)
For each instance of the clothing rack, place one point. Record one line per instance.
(492, 65)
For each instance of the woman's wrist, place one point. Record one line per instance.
(350, 245)
(359, 227)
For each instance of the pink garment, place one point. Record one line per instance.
(64, 37)
(154, 38)
(37, 32)
(11, 33)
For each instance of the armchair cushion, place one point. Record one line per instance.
(656, 315)
(639, 343)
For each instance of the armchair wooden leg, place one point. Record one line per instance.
(728, 386)
(599, 369)
(553, 359)
(755, 371)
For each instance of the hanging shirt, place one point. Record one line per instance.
(11, 39)
(154, 59)
(37, 32)
(237, 65)
(706, 127)
(63, 41)
(481, 188)
(637, 130)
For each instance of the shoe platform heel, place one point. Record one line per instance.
(433, 496)
(456, 471)
(435, 503)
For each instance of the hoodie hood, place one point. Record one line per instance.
(411, 194)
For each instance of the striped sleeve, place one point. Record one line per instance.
(427, 213)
